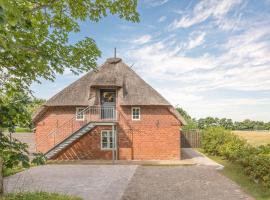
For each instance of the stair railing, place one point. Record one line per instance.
(60, 133)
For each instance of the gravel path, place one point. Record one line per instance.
(185, 183)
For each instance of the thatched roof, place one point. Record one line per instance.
(133, 90)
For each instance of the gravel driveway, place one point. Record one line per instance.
(183, 183)
(88, 181)
(130, 182)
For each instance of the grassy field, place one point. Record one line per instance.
(255, 137)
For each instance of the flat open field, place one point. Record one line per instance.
(255, 137)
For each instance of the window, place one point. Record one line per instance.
(108, 96)
(106, 139)
(79, 114)
(136, 113)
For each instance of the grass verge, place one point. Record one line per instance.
(236, 173)
(38, 196)
(22, 130)
(11, 171)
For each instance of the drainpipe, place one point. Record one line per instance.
(116, 144)
(113, 146)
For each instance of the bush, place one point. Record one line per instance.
(254, 160)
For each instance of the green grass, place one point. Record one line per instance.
(19, 130)
(22, 130)
(11, 171)
(38, 196)
(236, 173)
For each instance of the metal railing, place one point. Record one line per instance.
(80, 119)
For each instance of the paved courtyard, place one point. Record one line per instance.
(128, 182)
(93, 182)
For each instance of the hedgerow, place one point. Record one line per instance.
(255, 160)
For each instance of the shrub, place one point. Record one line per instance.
(233, 147)
(213, 138)
(254, 160)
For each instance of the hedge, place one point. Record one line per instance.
(255, 160)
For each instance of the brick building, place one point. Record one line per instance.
(110, 113)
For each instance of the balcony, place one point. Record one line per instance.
(100, 114)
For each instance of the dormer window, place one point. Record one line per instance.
(136, 113)
(80, 114)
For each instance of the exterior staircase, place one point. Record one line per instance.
(76, 135)
(72, 129)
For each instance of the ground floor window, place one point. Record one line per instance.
(106, 139)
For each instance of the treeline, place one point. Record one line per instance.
(203, 123)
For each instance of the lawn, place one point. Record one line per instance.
(38, 196)
(11, 171)
(235, 172)
(255, 138)
(22, 130)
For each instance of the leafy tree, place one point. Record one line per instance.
(34, 44)
(34, 37)
(191, 123)
(14, 110)
(183, 113)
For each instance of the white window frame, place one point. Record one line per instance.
(135, 119)
(108, 140)
(77, 111)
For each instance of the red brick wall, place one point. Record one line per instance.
(53, 118)
(154, 137)
(88, 147)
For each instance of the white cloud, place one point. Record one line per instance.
(196, 40)
(162, 19)
(142, 40)
(155, 3)
(241, 63)
(204, 10)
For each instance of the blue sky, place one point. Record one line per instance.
(211, 57)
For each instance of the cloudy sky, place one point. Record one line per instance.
(210, 57)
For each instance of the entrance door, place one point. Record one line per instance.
(108, 102)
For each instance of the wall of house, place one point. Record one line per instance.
(55, 117)
(88, 147)
(154, 137)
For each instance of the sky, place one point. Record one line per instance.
(210, 57)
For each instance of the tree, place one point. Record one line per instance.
(191, 123)
(34, 44)
(14, 110)
(34, 37)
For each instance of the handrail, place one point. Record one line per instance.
(99, 113)
(55, 129)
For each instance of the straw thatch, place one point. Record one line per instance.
(113, 73)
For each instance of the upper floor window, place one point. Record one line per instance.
(80, 113)
(136, 113)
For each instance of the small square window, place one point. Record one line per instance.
(136, 113)
(80, 113)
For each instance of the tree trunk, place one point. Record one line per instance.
(1, 177)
